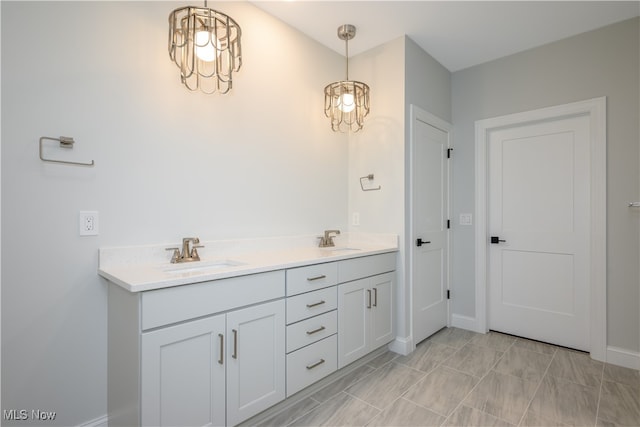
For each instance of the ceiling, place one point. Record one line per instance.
(458, 34)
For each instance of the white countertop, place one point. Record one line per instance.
(144, 268)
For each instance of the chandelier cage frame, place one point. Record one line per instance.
(345, 117)
(205, 45)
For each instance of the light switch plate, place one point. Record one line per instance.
(466, 219)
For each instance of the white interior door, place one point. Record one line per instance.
(430, 210)
(539, 221)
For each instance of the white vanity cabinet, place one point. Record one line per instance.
(312, 320)
(219, 352)
(255, 360)
(183, 374)
(189, 368)
(210, 353)
(365, 306)
(337, 313)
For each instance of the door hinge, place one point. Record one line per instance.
(449, 150)
(448, 223)
(448, 294)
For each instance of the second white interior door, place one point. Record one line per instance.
(539, 186)
(430, 210)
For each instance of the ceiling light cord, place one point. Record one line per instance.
(347, 55)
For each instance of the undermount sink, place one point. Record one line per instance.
(341, 249)
(201, 266)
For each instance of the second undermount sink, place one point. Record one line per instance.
(341, 249)
(201, 266)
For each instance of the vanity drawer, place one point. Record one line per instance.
(311, 363)
(312, 277)
(311, 330)
(357, 268)
(170, 305)
(311, 304)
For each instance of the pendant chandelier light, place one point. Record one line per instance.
(346, 102)
(205, 45)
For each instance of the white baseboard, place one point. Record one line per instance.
(102, 421)
(621, 357)
(402, 346)
(465, 322)
(615, 355)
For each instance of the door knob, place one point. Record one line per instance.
(421, 242)
(496, 240)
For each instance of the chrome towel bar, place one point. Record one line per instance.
(65, 142)
(370, 178)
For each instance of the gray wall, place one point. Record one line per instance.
(256, 166)
(428, 86)
(399, 73)
(259, 161)
(257, 170)
(604, 62)
(378, 149)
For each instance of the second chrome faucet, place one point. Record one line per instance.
(326, 241)
(189, 252)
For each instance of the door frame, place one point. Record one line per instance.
(595, 109)
(435, 121)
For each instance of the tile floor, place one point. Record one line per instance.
(460, 378)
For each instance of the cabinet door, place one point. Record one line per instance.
(255, 360)
(382, 309)
(182, 377)
(353, 321)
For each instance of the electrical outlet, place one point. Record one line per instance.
(88, 223)
(355, 219)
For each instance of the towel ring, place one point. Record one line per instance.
(65, 142)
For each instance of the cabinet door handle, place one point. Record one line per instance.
(369, 298)
(375, 297)
(318, 363)
(235, 344)
(315, 331)
(315, 304)
(311, 279)
(221, 360)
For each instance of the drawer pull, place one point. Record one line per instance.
(315, 304)
(318, 363)
(311, 279)
(221, 360)
(315, 331)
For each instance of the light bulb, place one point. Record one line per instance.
(346, 102)
(204, 46)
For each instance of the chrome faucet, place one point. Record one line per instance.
(189, 252)
(326, 241)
